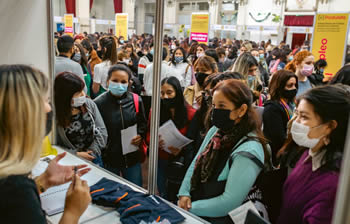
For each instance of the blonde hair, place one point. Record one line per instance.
(22, 118)
(242, 65)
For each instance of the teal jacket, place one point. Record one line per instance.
(240, 178)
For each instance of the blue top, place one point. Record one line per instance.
(303, 86)
(240, 178)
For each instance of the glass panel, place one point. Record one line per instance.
(203, 6)
(185, 6)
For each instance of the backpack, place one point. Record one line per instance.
(143, 146)
(266, 192)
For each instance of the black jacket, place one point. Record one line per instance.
(316, 79)
(112, 110)
(275, 122)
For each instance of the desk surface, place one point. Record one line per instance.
(98, 214)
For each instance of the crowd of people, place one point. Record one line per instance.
(262, 119)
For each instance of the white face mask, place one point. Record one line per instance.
(300, 135)
(79, 101)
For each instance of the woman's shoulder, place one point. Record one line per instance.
(272, 105)
(16, 183)
(252, 146)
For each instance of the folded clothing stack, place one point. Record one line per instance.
(133, 206)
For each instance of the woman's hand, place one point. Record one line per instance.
(136, 140)
(185, 203)
(86, 155)
(77, 200)
(56, 174)
(175, 151)
(161, 143)
(199, 99)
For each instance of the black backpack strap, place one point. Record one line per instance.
(245, 154)
(252, 157)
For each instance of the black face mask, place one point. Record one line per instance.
(221, 119)
(169, 102)
(200, 77)
(289, 94)
(49, 117)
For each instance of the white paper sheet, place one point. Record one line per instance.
(53, 200)
(239, 214)
(127, 135)
(172, 136)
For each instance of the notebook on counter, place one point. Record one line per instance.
(53, 200)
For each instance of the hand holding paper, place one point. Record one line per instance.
(172, 137)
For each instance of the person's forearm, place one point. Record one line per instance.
(68, 218)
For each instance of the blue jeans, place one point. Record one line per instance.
(132, 174)
(162, 177)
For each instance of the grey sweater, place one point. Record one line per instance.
(100, 131)
(64, 64)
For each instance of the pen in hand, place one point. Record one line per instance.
(75, 173)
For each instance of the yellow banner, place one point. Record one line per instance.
(68, 24)
(121, 25)
(200, 27)
(329, 40)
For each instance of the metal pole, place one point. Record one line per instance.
(342, 205)
(157, 63)
(51, 54)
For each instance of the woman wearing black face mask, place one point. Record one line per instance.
(279, 110)
(173, 107)
(210, 188)
(203, 67)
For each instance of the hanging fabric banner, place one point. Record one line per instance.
(68, 24)
(329, 40)
(200, 27)
(121, 25)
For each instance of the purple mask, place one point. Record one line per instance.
(307, 70)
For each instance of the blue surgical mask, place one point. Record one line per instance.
(257, 58)
(117, 88)
(76, 57)
(321, 70)
(291, 58)
(152, 51)
(261, 56)
(122, 41)
(179, 59)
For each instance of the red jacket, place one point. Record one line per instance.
(190, 114)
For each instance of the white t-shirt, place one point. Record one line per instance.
(101, 73)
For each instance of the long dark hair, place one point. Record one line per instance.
(238, 93)
(109, 49)
(66, 85)
(180, 118)
(84, 59)
(183, 53)
(342, 76)
(278, 83)
(330, 102)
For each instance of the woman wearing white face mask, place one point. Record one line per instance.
(303, 66)
(121, 109)
(79, 123)
(320, 130)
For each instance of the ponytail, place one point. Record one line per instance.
(109, 49)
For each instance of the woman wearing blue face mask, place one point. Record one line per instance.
(221, 176)
(80, 127)
(121, 109)
(179, 65)
(319, 133)
(81, 58)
